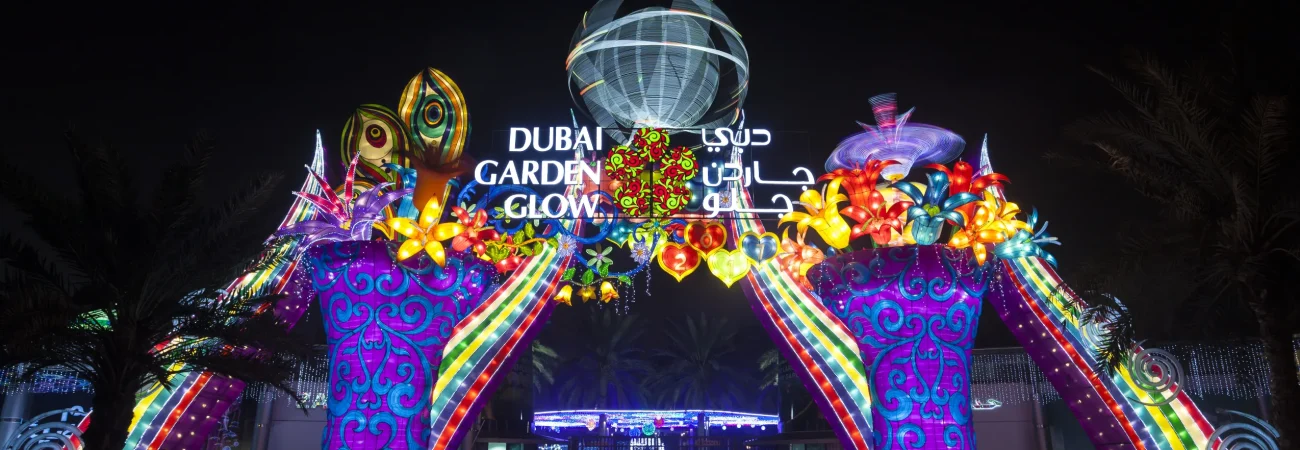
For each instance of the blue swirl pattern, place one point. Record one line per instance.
(914, 311)
(386, 324)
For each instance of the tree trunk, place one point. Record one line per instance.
(1284, 383)
(112, 410)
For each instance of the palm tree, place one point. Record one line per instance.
(544, 361)
(530, 375)
(696, 371)
(779, 376)
(609, 368)
(132, 289)
(776, 371)
(510, 407)
(1220, 158)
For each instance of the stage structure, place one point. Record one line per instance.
(647, 422)
(432, 273)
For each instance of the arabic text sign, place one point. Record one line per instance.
(718, 183)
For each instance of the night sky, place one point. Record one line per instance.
(263, 79)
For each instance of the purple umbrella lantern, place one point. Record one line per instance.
(894, 138)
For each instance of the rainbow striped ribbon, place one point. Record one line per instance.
(807, 332)
(484, 345)
(1177, 425)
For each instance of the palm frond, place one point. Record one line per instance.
(1118, 338)
(51, 217)
(174, 210)
(608, 369)
(21, 262)
(217, 252)
(1137, 98)
(544, 359)
(1172, 137)
(696, 372)
(1264, 137)
(243, 206)
(131, 293)
(106, 188)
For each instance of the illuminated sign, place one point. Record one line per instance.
(560, 139)
(738, 139)
(721, 181)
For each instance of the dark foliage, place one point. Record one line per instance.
(1219, 157)
(609, 367)
(129, 291)
(695, 370)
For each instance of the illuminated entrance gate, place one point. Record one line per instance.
(405, 256)
(479, 326)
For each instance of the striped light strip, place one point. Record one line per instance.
(1154, 418)
(170, 419)
(1119, 411)
(1181, 423)
(485, 343)
(157, 406)
(807, 332)
(1061, 322)
(1045, 282)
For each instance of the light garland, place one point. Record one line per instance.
(1011, 377)
(48, 381)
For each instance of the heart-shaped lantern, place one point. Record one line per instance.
(729, 266)
(707, 237)
(759, 248)
(679, 260)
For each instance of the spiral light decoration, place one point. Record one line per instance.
(57, 435)
(681, 67)
(1094, 333)
(1095, 330)
(1158, 373)
(1253, 434)
(894, 138)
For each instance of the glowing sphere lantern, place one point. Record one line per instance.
(895, 138)
(677, 67)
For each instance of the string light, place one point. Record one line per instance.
(637, 418)
(1230, 369)
(1009, 376)
(48, 381)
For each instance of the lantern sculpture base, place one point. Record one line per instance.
(914, 311)
(386, 324)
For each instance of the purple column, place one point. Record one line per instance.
(386, 324)
(914, 311)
